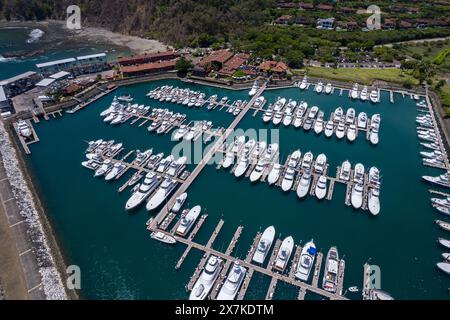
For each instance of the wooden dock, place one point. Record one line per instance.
(317, 269)
(245, 285)
(253, 247)
(340, 279)
(271, 290)
(295, 261)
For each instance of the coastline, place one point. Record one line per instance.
(42, 240)
(55, 30)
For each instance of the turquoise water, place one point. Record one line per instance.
(119, 260)
(15, 39)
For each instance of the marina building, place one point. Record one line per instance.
(234, 64)
(20, 83)
(75, 66)
(147, 58)
(148, 68)
(276, 69)
(214, 61)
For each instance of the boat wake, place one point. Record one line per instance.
(35, 35)
(51, 279)
(3, 59)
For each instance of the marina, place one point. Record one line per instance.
(231, 247)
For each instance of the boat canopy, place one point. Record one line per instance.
(312, 250)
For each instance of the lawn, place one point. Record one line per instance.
(361, 75)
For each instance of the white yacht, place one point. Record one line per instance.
(444, 267)
(444, 242)
(350, 116)
(267, 116)
(304, 83)
(374, 96)
(254, 89)
(274, 173)
(258, 171)
(321, 187)
(307, 160)
(163, 237)
(362, 120)
(374, 201)
(164, 164)
(356, 196)
(338, 114)
(176, 167)
(151, 182)
(264, 245)
(329, 129)
(319, 87)
(24, 129)
(179, 201)
(208, 277)
(180, 132)
(233, 282)
(117, 168)
(345, 171)
(242, 166)
(284, 253)
(359, 173)
(328, 88)
(161, 194)
(104, 168)
(354, 92)
(340, 130)
(306, 262)
(278, 117)
(373, 135)
(188, 221)
(330, 279)
(288, 179)
(279, 104)
(229, 160)
(442, 180)
(351, 133)
(259, 149)
(304, 184)
(318, 125)
(320, 164)
(364, 96)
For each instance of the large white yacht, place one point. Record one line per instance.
(364, 96)
(329, 128)
(304, 184)
(188, 221)
(24, 129)
(330, 278)
(205, 282)
(340, 130)
(328, 88)
(374, 96)
(151, 181)
(351, 133)
(176, 167)
(242, 166)
(274, 173)
(284, 253)
(356, 196)
(161, 194)
(118, 167)
(254, 89)
(362, 120)
(321, 187)
(345, 171)
(258, 171)
(306, 262)
(233, 282)
(319, 87)
(442, 180)
(304, 83)
(320, 164)
(354, 92)
(179, 201)
(264, 245)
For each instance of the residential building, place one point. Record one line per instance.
(326, 24)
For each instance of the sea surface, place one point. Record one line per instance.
(119, 260)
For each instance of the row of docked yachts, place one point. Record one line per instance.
(118, 112)
(435, 156)
(155, 185)
(235, 278)
(242, 154)
(164, 120)
(300, 115)
(191, 98)
(354, 93)
(193, 131)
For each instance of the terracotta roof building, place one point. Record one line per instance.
(230, 67)
(274, 67)
(285, 19)
(147, 57)
(147, 68)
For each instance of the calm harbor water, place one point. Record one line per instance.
(119, 260)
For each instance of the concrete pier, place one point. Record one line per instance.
(271, 290)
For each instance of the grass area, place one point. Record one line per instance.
(444, 96)
(361, 75)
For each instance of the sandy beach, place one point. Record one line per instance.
(56, 31)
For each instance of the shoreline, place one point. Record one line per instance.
(41, 239)
(55, 30)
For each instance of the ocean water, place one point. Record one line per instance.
(15, 39)
(118, 260)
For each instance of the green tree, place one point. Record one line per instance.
(183, 65)
(294, 58)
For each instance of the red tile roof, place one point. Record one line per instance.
(149, 67)
(220, 56)
(275, 66)
(147, 57)
(234, 63)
